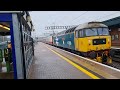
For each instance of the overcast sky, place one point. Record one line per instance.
(41, 19)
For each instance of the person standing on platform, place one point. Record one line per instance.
(10, 54)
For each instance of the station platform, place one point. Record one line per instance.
(49, 65)
(115, 47)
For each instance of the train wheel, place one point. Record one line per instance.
(92, 55)
(84, 54)
(79, 53)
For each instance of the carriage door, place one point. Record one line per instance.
(76, 40)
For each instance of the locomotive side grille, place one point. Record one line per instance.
(99, 41)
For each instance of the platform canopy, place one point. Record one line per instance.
(114, 22)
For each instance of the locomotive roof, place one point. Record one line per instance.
(67, 31)
(82, 26)
(90, 25)
(71, 29)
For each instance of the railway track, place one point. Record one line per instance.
(116, 59)
(116, 62)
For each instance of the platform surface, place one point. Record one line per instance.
(115, 47)
(48, 65)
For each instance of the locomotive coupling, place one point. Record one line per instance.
(106, 58)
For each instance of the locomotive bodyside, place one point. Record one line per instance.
(65, 41)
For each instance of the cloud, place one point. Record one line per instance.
(41, 19)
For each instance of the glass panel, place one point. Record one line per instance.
(6, 60)
(96, 31)
(81, 33)
(76, 34)
(91, 32)
(103, 31)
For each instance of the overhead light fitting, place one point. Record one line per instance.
(4, 27)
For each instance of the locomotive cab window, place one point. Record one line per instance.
(76, 34)
(81, 33)
(91, 32)
(96, 31)
(103, 31)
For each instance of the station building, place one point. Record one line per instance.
(114, 26)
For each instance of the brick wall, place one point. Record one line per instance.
(114, 31)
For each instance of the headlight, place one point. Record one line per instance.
(94, 41)
(109, 39)
(96, 48)
(89, 41)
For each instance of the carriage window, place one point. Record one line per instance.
(76, 34)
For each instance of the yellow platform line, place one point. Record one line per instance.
(75, 65)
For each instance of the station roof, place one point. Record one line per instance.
(114, 22)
